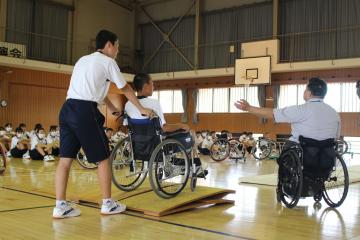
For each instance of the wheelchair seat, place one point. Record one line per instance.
(318, 157)
(145, 136)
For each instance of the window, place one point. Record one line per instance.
(341, 96)
(237, 93)
(215, 100)
(291, 95)
(170, 100)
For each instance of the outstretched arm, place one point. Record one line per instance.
(261, 112)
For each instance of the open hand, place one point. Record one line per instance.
(242, 105)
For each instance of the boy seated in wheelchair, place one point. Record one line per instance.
(314, 124)
(144, 87)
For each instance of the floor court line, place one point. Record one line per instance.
(143, 217)
(23, 209)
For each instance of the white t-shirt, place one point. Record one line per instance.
(35, 141)
(91, 77)
(206, 143)
(150, 103)
(50, 139)
(14, 141)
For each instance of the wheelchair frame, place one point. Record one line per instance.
(158, 167)
(295, 152)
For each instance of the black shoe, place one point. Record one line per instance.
(202, 174)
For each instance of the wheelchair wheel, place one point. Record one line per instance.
(2, 161)
(220, 150)
(82, 160)
(237, 150)
(127, 172)
(261, 151)
(337, 185)
(341, 147)
(290, 178)
(169, 168)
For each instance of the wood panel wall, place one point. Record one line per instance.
(36, 96)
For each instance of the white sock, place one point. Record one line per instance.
(105, 200)
(59, 202)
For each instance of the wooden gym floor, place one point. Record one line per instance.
(27, 214)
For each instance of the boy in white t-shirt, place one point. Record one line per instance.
(40, 150)
(19, 144)
(53, 139)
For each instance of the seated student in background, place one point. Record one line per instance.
(40, 150)
(9, 130)
(109, 132)
(118, 136)
(23, 127)
(36, 128)
(53, 139)
(4, 140)
(206, 143)
(250, 142)
(213, 136)
(19, 144)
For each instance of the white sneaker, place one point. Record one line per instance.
(26, 155)
(48, 158)
(112, 207)
(52, 158)
(8, 154)
(66, 210)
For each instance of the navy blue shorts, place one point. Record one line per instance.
(81, 125)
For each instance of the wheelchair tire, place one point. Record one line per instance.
(169, 159)
(340, 177)
(124, 175)
(81, 158)
(261, 154)
(220, 150)
(295, 168)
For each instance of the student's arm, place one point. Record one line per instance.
(129, 93)
(174, 127)
(261, 112)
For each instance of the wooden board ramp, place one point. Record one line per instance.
(150, 204)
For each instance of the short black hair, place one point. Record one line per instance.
(103, 37)
(37, 126)
(140, 80)
(53, 128)
(19, 130)
(317, 87)
(109, 129)
(8, 124)
(21, 125)
(40, 128)
(358, 84)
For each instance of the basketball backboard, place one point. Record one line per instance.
(253, 70)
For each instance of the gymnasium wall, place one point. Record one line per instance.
(37, 96)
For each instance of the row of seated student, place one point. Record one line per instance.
(36, 145)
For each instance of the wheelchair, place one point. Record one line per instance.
(263, 148)
(82, 160)
(341, 146)
(312, 169)
(167, 158)
(224, 148)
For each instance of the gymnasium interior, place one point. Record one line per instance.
(203, 56)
